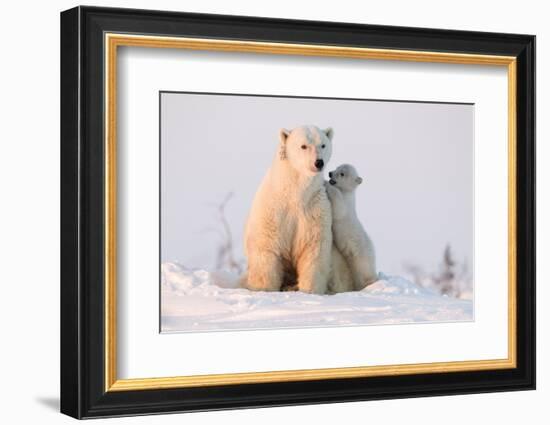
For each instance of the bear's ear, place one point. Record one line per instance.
(283, 135)
(358, 180)
(329, 132)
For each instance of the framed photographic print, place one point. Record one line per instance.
(261, 212)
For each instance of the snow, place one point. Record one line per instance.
(200, 300)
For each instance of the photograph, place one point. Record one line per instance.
(297, 212)
(261, 211)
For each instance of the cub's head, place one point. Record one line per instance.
(307, 148)
(345, 178)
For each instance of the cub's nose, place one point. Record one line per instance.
(330, 174)
(319, 164)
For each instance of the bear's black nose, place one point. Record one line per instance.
(330, 174)
(319, 164)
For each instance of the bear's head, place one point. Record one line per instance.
(307, 148)
(345, 178)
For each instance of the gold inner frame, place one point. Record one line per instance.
(113, 41)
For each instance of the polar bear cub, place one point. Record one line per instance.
(349, 235)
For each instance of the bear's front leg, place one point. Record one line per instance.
(314, 269)
(265, 272)
(338, 205)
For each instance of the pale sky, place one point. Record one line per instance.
(416, 160)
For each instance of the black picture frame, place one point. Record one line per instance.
(83, 392)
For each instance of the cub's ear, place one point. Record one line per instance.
(358, 180)
(283, 135)
(329, 132)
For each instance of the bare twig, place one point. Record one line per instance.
(451, 279)
(225, 256)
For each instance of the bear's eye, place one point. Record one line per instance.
(323, 146)
(304, 147)
(341, 174)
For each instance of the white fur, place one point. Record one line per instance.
(341, 277)
(288, 236)
(349, 235)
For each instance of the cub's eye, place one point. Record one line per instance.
(341, 174)
(323, 146)
(304, 147)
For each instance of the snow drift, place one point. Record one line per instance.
(198, 300)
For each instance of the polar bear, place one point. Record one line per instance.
(288, 235)
(340, 277)
(349, 235)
